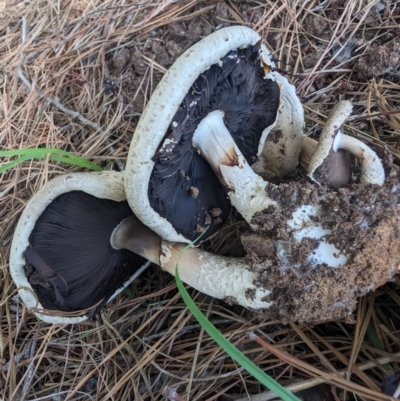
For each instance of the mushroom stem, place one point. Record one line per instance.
(308, 148)
(218, 276)
(246, 189)
(133, 235)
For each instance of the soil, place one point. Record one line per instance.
(129, 65)
(379, 60)
(364, 223)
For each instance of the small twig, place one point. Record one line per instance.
(197, 379)
(61, 107)
(181, 331)
(131, 279)
(365, 116)
(320, 6)
(46, 397)
(13, 184)
(31, 369)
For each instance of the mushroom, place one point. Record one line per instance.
(77, 244)
(331, 165)
(61, 245)
(169, 186)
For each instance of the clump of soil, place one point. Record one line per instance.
(379, 60)
(363, 220)
(317, 26)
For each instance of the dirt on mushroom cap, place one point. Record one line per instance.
(364, 223)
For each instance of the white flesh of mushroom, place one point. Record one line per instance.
(280, 157)
(218, 276)
(245, 188)
(166, 100)
(371, 167)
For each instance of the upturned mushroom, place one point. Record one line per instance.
(226, 80)
(60, 255)
(77, 244)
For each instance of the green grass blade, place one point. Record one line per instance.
(14, 163)
(230, 349)
(35, 152)
(58, 155)
(74, 162)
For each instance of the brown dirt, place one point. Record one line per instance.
(129, 65)
(364, 223)
(379, 60)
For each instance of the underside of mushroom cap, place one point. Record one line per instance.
(183, 187)
(106, 185)
(159, 114)
(71, 264)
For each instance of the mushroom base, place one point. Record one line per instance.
(364, 223)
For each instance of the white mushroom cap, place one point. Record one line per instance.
(158, 115)
(107, 185)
